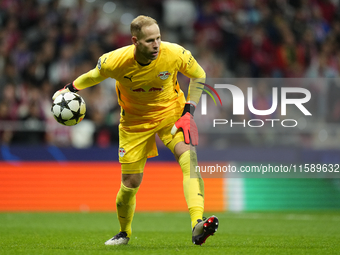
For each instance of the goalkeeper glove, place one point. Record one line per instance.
(68, 88)
(188, 125)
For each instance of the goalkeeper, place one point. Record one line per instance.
(152, 103)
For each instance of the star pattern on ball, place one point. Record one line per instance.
(68, 113)
(59, 119)
(77, 115)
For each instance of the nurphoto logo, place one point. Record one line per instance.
(238, 106)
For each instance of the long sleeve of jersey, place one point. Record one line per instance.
(195, 90)
(190, 68)
(89, 79)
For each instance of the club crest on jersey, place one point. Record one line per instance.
(121, 152)
(164, 75)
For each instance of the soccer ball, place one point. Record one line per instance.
(69, 109)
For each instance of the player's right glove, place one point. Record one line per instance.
(68, 88)
(188, 125)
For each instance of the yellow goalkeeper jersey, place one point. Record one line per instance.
(146, 92)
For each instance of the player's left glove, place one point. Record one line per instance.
(187, 124)
(68, 88)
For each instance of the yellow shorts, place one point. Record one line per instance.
(139, 141)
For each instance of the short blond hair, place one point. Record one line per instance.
(138, 23)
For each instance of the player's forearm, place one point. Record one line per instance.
(88, 79)
(195, 90)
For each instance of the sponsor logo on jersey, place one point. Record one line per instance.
(164, 75)
(138, 90)
(121, 152)
(153, 89)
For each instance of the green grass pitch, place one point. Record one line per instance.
(170, 233)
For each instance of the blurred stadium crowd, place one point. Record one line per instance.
(45, 44)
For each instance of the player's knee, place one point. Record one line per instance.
(132, 180)
(180, 148)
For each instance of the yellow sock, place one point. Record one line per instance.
(193, 186)
(126, 204)
(196, 213)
